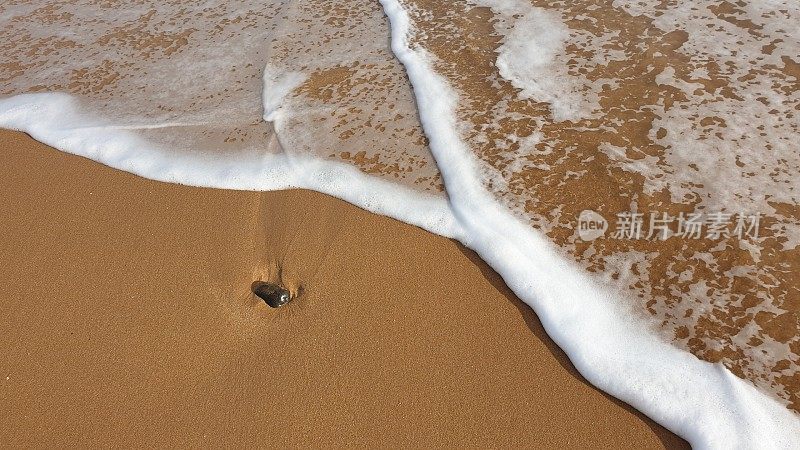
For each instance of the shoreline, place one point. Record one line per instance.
(399, 335)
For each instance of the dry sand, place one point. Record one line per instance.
(127, 320)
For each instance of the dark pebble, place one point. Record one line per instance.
(273, 295)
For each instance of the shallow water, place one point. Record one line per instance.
(650, 108)
(188, 77)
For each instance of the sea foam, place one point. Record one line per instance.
(700, 401)
(56, 120)
(697, 119)
(532, 41)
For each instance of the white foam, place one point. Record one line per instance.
(703, 402)
(57, 120)
(533, 40)
(277, 85)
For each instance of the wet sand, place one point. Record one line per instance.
(127, 320)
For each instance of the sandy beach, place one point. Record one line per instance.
(128, 321)
(436, 183)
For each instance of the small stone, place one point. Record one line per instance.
(273, 295)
